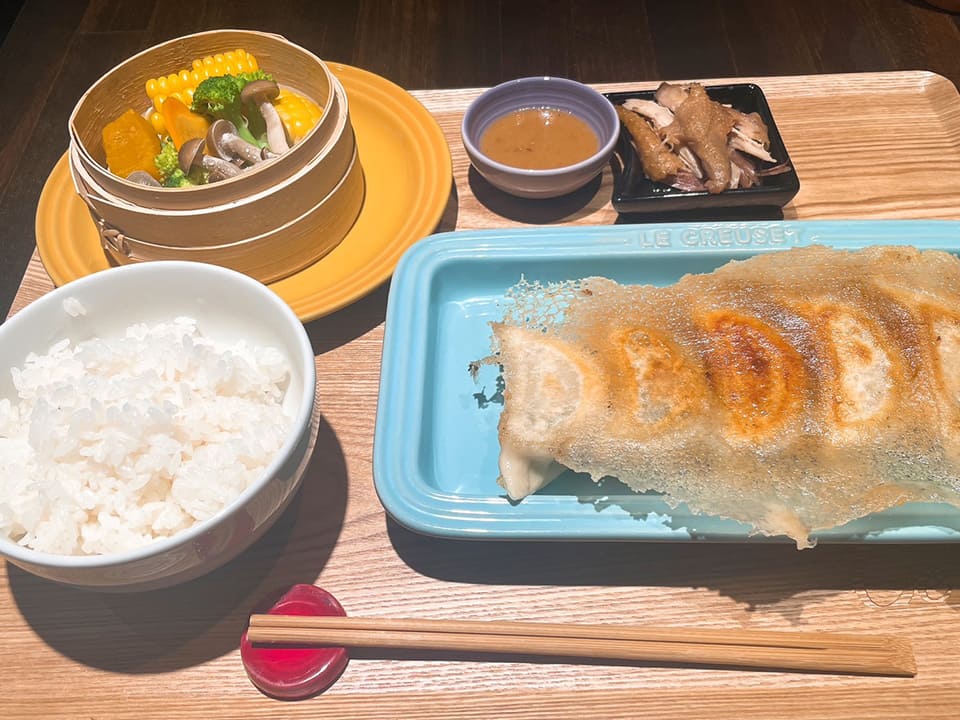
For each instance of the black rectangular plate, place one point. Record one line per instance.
(635, 194)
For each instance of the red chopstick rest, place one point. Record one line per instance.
(294, 673)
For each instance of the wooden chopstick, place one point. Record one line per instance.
(805, 651)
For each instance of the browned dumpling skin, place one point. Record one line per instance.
(654, 385)
(795, 391)
(757, 376)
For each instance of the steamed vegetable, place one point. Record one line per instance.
(182, 84)
(167, 163)
(256, 120)
(130, 144)
(298, 113)
(220, 97)
(181, 122)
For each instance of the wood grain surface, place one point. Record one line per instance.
(71, 653)
(55, 49)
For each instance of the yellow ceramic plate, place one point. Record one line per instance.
(408, 173)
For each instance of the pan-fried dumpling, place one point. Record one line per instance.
(795, 390)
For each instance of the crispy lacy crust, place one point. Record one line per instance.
(795, 390)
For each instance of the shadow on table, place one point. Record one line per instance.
(567, 208)
(360, 317)
(364, 314)
(182, 626)
(762, 575)
(720, 214)
(451, 212)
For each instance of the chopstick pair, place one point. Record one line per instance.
(772, 650)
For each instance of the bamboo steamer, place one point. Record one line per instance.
(272, 220)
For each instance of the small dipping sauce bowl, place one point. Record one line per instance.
(562, 94)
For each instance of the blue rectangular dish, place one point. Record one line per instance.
(435, 444)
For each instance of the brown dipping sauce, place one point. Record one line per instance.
(539, 139)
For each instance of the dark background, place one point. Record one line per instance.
(8, 13)
(54, 49)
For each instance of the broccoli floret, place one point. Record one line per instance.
(168, 163)
(166, 160)
(255, 122)
(177, 179)
(181, 179)
(248, 77)
(219, 96)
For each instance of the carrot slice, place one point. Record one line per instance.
(181, 122)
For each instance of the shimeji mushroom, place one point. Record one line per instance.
(191, 155)
(261, 92)
(142, 177)
(223, 140)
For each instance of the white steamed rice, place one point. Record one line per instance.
(113, 443)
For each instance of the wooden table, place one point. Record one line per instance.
(173, 653)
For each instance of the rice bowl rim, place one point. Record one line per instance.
(301, 420)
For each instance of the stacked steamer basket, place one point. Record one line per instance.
(270, 221)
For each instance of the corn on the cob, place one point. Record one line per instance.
(298, 113)
(182, 84)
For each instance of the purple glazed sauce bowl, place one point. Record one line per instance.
(540, 92)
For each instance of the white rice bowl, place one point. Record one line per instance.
(154, 420)
(117, 442)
